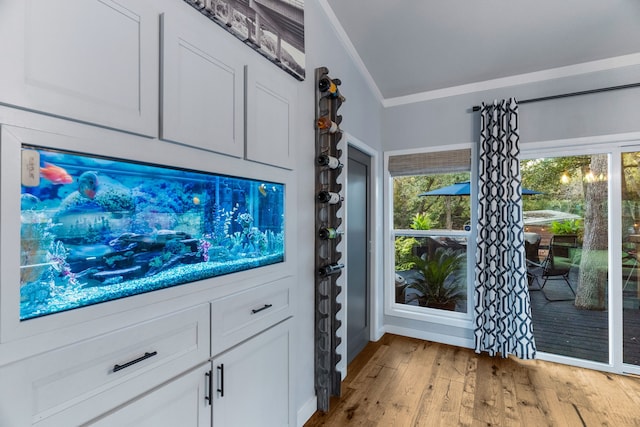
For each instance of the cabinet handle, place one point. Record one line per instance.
(221, 370)
(264, 307)
(209, 379)
(147, 355)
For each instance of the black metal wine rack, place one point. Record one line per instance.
(327, 378)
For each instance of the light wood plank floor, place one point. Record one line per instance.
(400, 381)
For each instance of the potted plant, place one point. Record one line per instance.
(439, 279)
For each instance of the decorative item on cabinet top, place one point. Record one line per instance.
(95, 229)
(273, 28)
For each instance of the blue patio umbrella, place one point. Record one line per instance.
(460, 189)
(463, 189)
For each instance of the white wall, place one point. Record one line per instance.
(450, 120)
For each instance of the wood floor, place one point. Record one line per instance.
(400, 381)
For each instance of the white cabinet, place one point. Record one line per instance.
(271, 115)
(204, 95)
(90, 60)
(74, 384)
(253, 381)
(244, 314)
(202, 85)
(182, 402)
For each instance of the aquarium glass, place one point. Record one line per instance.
(96, 229)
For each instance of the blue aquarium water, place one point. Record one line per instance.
(95, 229)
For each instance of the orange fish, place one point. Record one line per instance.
(55, 174)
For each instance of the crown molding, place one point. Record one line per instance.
(520, 79)
(351, 50)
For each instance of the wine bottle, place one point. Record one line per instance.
(329, 197)
(326, 233)
(329, 88)
(325, 84)
(325, 122)
(329, 161)
(329, 269)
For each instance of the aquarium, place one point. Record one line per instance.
(95, 229)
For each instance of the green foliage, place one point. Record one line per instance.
(421, 221)
(407, 202)
(404, 252)
(569, 226)
(441, 277)
(545, 175)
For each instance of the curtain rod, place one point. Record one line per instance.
(566, 95)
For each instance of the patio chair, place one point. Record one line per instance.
(558, 263)
(531, 249)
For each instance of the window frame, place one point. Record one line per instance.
(427, 314)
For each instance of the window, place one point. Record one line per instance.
(430, 227)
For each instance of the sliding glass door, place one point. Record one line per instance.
(566, 222)
(630, 220)
(582, 228)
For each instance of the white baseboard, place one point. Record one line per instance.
(430, 336)
(378, 333)
(306, 411)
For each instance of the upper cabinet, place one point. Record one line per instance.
(202, 85)
(210, 98)
(271, 115)
(94, 61)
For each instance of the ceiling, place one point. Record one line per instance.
(415, 46)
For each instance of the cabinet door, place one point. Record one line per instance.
(90, 60)
(202, 85)
(271, 115)
(253, 384)
(182, 402)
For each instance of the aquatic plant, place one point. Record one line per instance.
(257, 240)
(221, 224)
(236, 243)
(203, 249)
(57, 257)
(34, 238)
(245, 220)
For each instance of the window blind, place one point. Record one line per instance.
(430, 163)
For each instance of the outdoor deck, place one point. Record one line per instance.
(560, 328)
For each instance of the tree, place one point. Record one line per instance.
(407, 202)
(593, 273)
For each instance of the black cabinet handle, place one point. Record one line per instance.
(258, 310)
(147, 355)
(221, 389)
(208, 395)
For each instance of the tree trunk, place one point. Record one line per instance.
(592, 278)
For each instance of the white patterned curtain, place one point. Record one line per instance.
(501, 297)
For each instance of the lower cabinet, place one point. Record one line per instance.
(160, 373)
(182, 402)
(252, 382)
